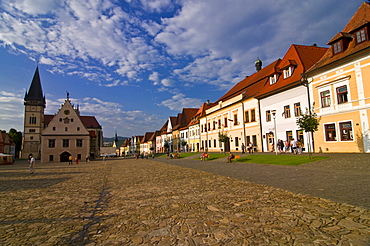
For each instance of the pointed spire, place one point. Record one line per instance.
(35, 92)
(115, 137)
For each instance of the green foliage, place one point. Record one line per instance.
(166, 144)
(222, 137)
(183, 143)
(308, 122)
(17, 138)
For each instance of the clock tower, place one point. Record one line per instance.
(34, 103)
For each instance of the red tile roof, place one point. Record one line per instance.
(360, 19)
(300, 57)
(87, 121)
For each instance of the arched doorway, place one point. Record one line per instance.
(64, 157)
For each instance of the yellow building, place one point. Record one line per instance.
(340, 89)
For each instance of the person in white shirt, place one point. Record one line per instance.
(32, 163)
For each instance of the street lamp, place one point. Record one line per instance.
(273, 112)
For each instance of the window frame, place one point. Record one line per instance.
(325, 100)
(342, 94)
(361, 35)
(51, 143)
(297, 109)
(65, 143)
(338, 47)
(253, 115)
(287, 112)
(328, 130)
(268, 115)
(342, 129)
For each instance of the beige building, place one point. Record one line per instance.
(53, 138)
(340, 89)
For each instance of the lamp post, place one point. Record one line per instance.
(273, 112)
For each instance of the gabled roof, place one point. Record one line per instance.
(146, 137)
(87, 121)
(300, 57)
(360, 19)
(251, 85)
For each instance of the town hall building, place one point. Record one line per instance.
(54, 138)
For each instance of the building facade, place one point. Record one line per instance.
(339, 86)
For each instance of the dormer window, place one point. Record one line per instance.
(288, 72)
(361, 36)
(273, 79)
(337, 47)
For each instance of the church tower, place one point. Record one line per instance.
(34, 103)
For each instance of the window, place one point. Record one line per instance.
(273, 79)
(78, 142)
(268, 115)
(32, 130)
(253, 115)
(235, 119)
(361, 36)
(209, 143)
(32, 120)
(31, 138)
(65, 143)
(330, 133)
(246, 113)
(325, 99)
(209, 126)
(60, 119)
(219, 123)
(337, 47)
(225, 121)
(214, 125)
(51, 143)
(300, 137)
(287, 111)
(342, 94)
(254, 140)
(66, 121)
(297, 109)
(288, 72)
(66, 129)
(236, 141)
(214, 143)
(289, 135)
(54, 128)
(346, 132)
(78, 128)
(51, 158)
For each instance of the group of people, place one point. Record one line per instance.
(293, 146)
(250, 148)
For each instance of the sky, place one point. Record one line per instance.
(134, 63)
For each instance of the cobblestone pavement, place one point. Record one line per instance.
(343, 178)
(146, 202)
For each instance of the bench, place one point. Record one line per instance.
(204, 157)
(236, 157)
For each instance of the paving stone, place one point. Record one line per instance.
(146, 202)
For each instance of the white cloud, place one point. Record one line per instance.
(167, 82)
(179, 101)
(156, 5)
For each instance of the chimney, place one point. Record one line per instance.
(258, 64)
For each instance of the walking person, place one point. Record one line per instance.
(104, 160)
(294, 146)
(70, 160)
(243, 148)
(250, 149)
(32, 164)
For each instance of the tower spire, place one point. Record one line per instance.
(35, 92)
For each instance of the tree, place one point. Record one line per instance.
(223, 137)
(309, 123)
(17, 138)
(166, 145)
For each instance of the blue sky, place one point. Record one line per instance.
(134, 63)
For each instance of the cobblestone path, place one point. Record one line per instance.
(145, 202)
